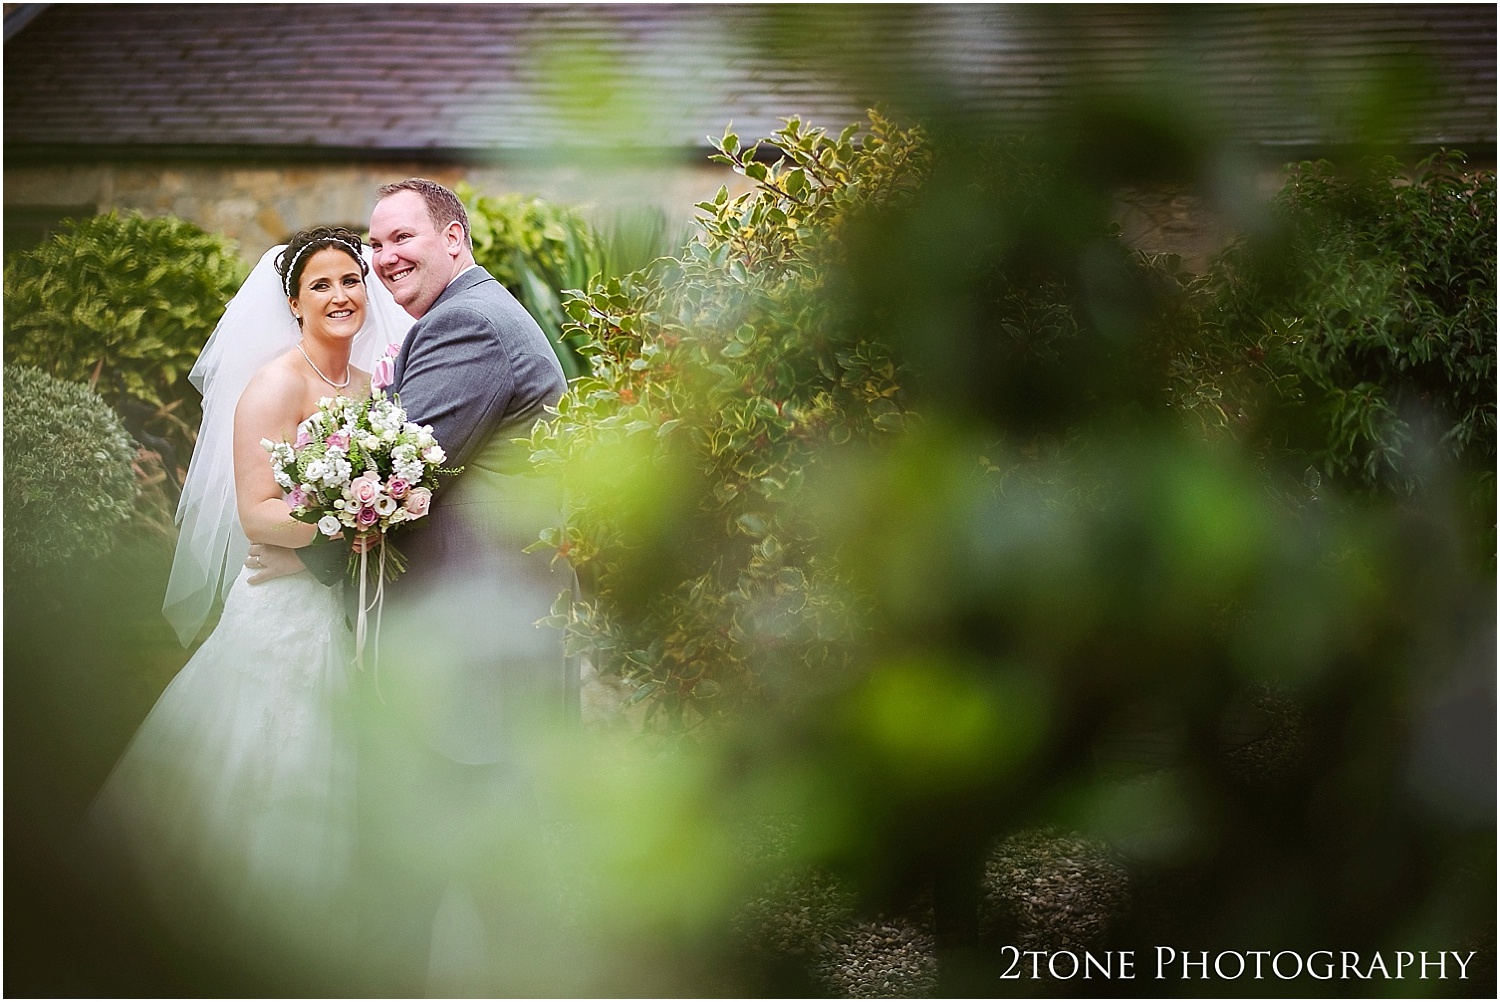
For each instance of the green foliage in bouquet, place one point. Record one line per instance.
(716, 378)
(69, 482)
(1356, 337)
(125, 303)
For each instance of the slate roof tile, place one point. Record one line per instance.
(470, 78)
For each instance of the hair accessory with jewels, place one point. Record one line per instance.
(291, 268)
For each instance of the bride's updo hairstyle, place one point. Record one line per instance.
(291, 262)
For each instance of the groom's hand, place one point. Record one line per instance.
(270, 562)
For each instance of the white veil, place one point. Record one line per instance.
(256, 327)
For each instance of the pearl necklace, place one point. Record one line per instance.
(337, 386)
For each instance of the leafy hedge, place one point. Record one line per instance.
(125, 303)
(1358, 338)
(717, 376)
(69, 482)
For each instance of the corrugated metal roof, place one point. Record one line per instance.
(479, 79)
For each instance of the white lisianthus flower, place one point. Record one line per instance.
(328, 525)
(268, 445)
(316, 471)
(384, 505)
(434, 455)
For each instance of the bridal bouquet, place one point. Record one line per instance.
(398, 464)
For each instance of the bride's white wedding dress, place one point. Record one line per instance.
(234, 803)
(233, 806)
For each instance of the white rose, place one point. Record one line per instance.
(329, 525)
(434, 455)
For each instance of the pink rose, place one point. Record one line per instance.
(397, 488)
(418, 502)
(338, 440)
(303, 440)
(365, 489)
(297, 498)
(384, 374)
(385, 369)
(367, 516)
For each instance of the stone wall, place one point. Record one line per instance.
(259, 206)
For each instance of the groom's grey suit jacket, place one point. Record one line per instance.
(463, 656)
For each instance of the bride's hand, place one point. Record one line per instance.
(271, 562)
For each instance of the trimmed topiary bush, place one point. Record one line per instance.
(124, 303)
(69, 483)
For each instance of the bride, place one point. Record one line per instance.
(233, 804)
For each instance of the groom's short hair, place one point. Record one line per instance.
(442, 205)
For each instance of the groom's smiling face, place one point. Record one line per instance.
(414, 258)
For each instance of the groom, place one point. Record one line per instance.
(477, 368)
(463, 674)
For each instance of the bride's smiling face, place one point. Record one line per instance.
(330, 295)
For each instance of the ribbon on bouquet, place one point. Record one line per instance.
(361, 628)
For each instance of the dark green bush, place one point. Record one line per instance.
(125, 303)
(1357, 337)
(69, 482)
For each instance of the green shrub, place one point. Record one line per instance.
(716, 378)
(69, 482)
(536, 249)
(125, 303)
(1358, 338)
(539, 251)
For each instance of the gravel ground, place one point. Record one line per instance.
(1039, 887)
